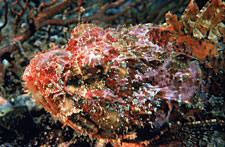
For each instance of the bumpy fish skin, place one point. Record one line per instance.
(115, 84)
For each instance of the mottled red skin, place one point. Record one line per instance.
(111, 83)
(125, 85)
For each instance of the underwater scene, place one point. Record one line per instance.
(112, 73)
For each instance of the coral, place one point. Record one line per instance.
(117, 84)
(200, 32)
